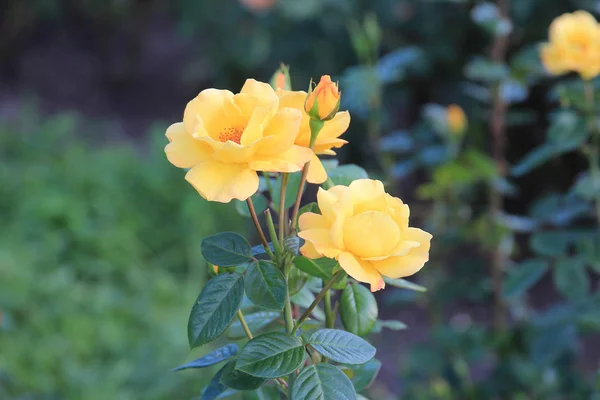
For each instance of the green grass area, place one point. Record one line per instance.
(99, 264)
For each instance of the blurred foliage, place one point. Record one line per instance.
(99, 265)
(399, 63)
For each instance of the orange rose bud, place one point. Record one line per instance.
(281, 78)
(323, 102)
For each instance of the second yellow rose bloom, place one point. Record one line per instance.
(366, 230)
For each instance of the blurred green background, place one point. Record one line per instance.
(99, 234)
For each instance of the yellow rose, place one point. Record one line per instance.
(456, 118)
(225, 138)
(324, 100)
(328, 138)
(366, 230)
(574, 45)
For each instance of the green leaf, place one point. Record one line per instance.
(341, 346)
(523, 277)
(271, 355)
(221, 354)
(358, 309)
(534, 159)
(292, 244)
(485, 70)
(571, 278)
(322, 382)
(550, 243)
(549, 344)
(291, 191)
(587, 248)
(259, 249)
(365, 374)
(226, 249)
(341, 282)
(258, 200)
(215, 388)
(587, 186)
(321, 268)
(567, 130)
(296, 280)
(487, 16)
(215, 308)
(263, 393)
(236, 379)
(404, 284)
(265, 285)
(389, 324)
(256, 322)
(346, 174)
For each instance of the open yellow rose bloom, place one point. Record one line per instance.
(226, 138)
(328, 138)
(574, 45)
(367, 231)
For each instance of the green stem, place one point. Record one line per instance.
(244, 324)
(282, 208)
(273, 234)
(287, 310)
(318, 299)
(296, 209)
(329, 317)
(261, 234)
(593, 155)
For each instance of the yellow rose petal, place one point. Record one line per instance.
(232, 152)
(335, 127)
(184, 151)
(338, 199)
(402, 266)
(316, 171)
(291, 160)
(262, 91)
(321, 240)
(281, 132)
(254, 131)
(311, 220)
(208, 107)
(308, 250)
(371, 234)
(222, 182)
(362, 271)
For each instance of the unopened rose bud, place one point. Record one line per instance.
(281, 79)
(323, 102)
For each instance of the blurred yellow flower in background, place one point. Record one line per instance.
(457, 119)
(574, 45)
(225, 138)
(366, 230)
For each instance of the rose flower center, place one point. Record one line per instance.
(233, 134)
